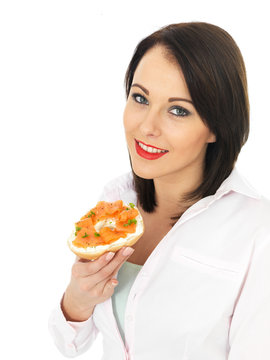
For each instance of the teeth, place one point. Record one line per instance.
(150, 149)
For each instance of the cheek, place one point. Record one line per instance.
(192, 140)
(131, 119)
(128, 120)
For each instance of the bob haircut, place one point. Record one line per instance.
(215, 75)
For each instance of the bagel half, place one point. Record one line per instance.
(107, 220)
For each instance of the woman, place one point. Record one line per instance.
(197, 284)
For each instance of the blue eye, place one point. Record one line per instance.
(139, 96)
(180, 111)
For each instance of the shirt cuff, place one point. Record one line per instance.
(69, 336)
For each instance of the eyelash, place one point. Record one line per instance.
(186, 112)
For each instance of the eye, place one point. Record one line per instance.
(139, 98)
(180, 111)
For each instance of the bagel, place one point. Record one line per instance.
(107, 227)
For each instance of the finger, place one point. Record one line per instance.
(117, 269)
(97, 289)
(106, 287)
(112, 267)
(84, 267)
(109, 288)
(103, 266)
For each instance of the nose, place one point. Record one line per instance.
(151, 124)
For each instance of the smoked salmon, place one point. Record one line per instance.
(105, 223)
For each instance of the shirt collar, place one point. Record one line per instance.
(238, 183)
(235, 182)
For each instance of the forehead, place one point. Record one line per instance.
(159, 70)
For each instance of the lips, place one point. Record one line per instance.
(147, 155)
(149, 145)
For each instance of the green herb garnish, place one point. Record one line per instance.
(78, 228)
(131, 205)
(91, 213)
(96, 234)
(131, 221)
(85, 235)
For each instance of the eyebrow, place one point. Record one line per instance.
(170, 99)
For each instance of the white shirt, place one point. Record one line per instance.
(203, 293)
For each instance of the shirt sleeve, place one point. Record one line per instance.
(71, 338)
(249, 336)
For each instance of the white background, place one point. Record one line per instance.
(62, 69)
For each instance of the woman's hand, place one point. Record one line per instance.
(91, 283)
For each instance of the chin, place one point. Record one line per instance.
(141, 169)
(144, 172)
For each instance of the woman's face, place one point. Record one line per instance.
(153, 118)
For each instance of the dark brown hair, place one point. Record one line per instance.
(215, 75)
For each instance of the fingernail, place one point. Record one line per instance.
(114, 283)
(110, 255)
(128, 251)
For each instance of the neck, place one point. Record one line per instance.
(171, 189)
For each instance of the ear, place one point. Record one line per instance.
(212, 138)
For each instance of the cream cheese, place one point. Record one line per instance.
(110, 222)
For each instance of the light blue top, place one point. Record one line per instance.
(126, 277)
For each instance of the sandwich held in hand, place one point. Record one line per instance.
(106, 227)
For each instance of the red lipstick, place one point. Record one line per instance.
(147, 155)
(150, 145)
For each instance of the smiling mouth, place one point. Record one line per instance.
(150, 149)
(148, 154)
